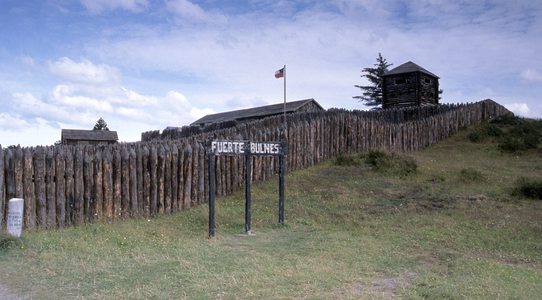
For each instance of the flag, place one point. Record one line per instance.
(279, 73)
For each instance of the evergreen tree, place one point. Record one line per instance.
(100, 125)
(372, 94)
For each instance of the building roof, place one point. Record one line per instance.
(408, 67)
(255, 112)
(89, 135)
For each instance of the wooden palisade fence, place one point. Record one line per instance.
(71, 185)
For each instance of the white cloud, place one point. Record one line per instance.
(133, 114)
(15, 130)
(521, 109)
(99, 6)
(135, 99)
(13, 123)
(90, 91)
(177, 71)
(27, 60)
(84, 71)
(531, 75)
(197, 113)
(188, 11)
(68, 96)
(185, 8)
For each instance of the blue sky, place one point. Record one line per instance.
(145, 65)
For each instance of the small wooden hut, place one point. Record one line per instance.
(84, 137)
(409, 85)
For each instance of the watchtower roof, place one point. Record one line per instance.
(408, 67)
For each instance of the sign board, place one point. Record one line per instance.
(247, 149)
(233, 147)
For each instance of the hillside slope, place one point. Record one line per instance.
(452, 229)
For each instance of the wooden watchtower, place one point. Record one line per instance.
(409, 85)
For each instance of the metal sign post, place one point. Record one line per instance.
(248, 149)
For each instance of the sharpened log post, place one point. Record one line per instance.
(60, 166)
(39, 180)
(28, 190)
(248, 159)
(211, 172)
(2, 196)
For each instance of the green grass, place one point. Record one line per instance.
(351, 232)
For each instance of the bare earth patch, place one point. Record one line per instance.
(384, 287)
(5, 294)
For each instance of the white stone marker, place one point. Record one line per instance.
(15, 216)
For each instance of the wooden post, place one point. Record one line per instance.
(134, 207)
(39, 181)
(160, 174)
(154, 180)
(167, 179)
(180, 177)
(88, 185)
(2, 197)
(108, 184)
(218, 171)
(195, 173)
(174, 177)
(282, 170)
(117, 182)
(60, 166)
(211, 172)
(201, 174)
(187, 177)
(18, 163)
(98, 186)
(79, 185)
(146, 181)
(10, 174)
(125, 183)
(140, 177)
(29, 195)
(248, 180)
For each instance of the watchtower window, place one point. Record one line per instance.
(400, 81)
(427, 80)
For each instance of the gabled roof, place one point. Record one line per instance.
(255, 112)
(408, 67)
(88, 135)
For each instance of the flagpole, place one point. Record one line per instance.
(284, 108)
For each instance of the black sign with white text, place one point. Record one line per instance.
(226, 147)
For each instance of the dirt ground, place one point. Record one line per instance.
(5, 294)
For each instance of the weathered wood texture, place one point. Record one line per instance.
(69, 185)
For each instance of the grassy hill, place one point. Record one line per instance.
(449, 222)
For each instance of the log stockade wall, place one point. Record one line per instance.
(70, 185)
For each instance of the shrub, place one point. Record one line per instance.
(377, 159)
(486, 131)
(7, 241)
(531, 140)
(521, 135)
(471, 175)
(493, 130)
(475, 136)
(528, 187)
(347, 160)
(506, 120)
(406, 166)
(511, 145)
(391, 164)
